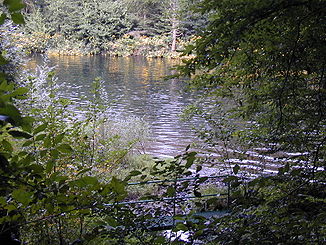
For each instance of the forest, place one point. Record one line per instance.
(145, 27)
(258, 67)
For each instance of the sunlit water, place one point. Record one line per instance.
(135, 87)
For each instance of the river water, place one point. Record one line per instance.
(135, 87)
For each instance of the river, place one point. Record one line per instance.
(135, 87)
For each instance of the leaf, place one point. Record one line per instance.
(236, 169)
(11, 111)
(202, 180)
(20, 134)
(117, 186)
(40, 137)
(2, 20)
(230, 179)
(160, 240)
(17, 18)
(40, 128)
(181, 227)
(28, 143)
(7, 145)
(58, 139)
(84, 171)
(197, 193)
(64, 148)
(19, 91)
(47, 142)
(22, 196)
(89, 180)
(54, 153)
(198, 233)
(111, 221)
(36, 169)
(190, 159)
(16, 6)
(49, 166)
(3, 201)
(171, 191)
(135, 173)
(3, 60)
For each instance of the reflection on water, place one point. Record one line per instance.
(136, 87)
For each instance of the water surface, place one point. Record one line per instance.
(135, 87)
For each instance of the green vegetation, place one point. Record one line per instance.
(260, 66)
(124, 27)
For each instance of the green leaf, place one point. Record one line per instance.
(20, 91)
(54, 153)
(7, 145)
(58, 139)
(202, 180)
(85, 181)
(40, 128)
(3, 201)
(190, 159)
(64, 148)
(20, 134)
(49, 166)
(117, 185)
(28, 143)
(3, 60)
(40, 137)
(11, 111)
(230, 179)
(171, 191)
(16, 7)
(5, 86)
(160, 240)
(236, 169)
(17, 18)
(135, 173)
(22, 196)
(197, 193)
(36, 169)
(84, 171)
(2, 20)
(111, 221)
(47, 142)
(198, 233)
(181, 227)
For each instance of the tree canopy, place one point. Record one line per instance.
(261, 67)
(269, 57)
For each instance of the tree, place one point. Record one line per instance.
(261, 64)
(268, 57)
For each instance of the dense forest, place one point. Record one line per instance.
(260, 68)
(151, 27)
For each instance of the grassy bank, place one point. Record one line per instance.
(158, 46)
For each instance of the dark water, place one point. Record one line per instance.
(135, 87)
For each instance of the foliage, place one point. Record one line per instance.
(47, 188)
(152, 47)
(260, 66)
(86, 27)
(276, 80)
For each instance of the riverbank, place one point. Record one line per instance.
(158, 46)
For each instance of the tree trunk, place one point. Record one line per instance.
(174, 36)
(175, 23)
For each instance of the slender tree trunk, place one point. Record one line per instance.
(175, 23)
(174, 36)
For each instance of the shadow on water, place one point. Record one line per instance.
(135, 87)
